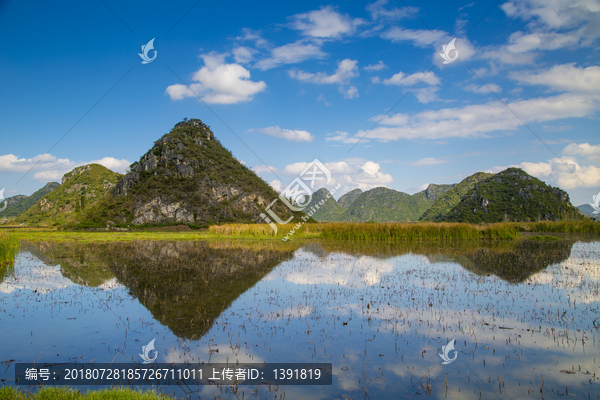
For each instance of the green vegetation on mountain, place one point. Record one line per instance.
(330, 210)
(187, 177)
(451, 198)
(513, 195)
(382, 204)
(80, 189)
(17, 205)
(349, 198)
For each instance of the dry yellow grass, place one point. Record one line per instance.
(265, 230)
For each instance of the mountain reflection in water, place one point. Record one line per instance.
(519, 311)
(185, 285)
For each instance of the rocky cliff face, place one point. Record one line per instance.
(189, 177)
(433, 191)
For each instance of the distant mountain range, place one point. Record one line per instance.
(380, 204)
(188, 177)
(511, 195)
(588, 210)
(17, 205)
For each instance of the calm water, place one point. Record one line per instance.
(524, 315)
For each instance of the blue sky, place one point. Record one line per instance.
(284, 83)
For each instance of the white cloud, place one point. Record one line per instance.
(401, 79)
(50, 168)
(243, 55)
(464, 50)
(350, 175)
(428, 161)
(321, 97)
(591, 152)
(569, 171)
(424, 95)
(324, 23)
(288, 134)
(563, 78)
(264, 169)
(557, 128)
(520, 42)
(419, 37)
(219, 83)
(434, 39)
(349, 93)
(378, 11)
(276, 185)
(483, 89)
(557, 14)
(291, 53)
(551, 25)
(375, 67)
(113, 164)
(500, 55)
(480, 120)
(346, 69)
(11, 163)
(558, 174)
(342, 137)
(253, 36)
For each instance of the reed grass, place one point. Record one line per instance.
(53, 393)
(265, 230)
(562, 226)
(413, 231)
(9, 245)
(417, 232)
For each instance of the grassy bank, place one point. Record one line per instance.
(106, 236)
(7, 393)
(9, 244)
(417, 232)
(565, 227)
(375, 232)
(265, 230)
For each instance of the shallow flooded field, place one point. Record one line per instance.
(524, 315)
